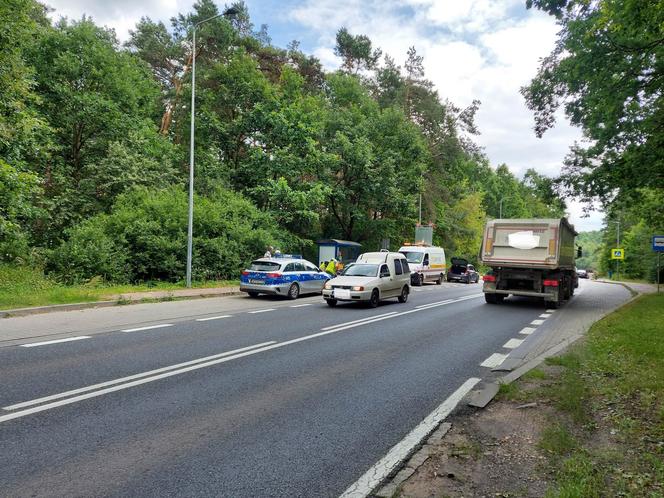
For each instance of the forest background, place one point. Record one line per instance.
(94, 140)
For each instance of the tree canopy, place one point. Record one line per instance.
(607, 73)
(93, 184)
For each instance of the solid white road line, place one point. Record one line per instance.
(261, 311)
(212, 318)
(537, 322)
(494, 360)
(56, 341)
(513, 343)
(301, 305)
(149, 327)
(399, 452)
(358, 321)
(448, 301)
(527, 330)
(130, 377)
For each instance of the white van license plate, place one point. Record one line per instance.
(342, 293)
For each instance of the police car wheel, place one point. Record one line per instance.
(331, 302)
(293, 291)
(253, 294)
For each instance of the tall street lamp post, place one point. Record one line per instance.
(190, 227)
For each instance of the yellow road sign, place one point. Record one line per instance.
(617, 254)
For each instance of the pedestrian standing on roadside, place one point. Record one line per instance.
(268, 253)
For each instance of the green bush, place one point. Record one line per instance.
(145, 238)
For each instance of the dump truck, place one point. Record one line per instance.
(529, 257)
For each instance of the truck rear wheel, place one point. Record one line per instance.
(554, 305)
(494, 298)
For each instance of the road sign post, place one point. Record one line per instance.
(658, 247)
(618, 255)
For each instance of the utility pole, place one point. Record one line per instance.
(190, 225)
(500, 207)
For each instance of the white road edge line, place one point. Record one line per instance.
(545, 315)
(212, 318)
(537, 322)
(149, 327)
(261, 311)
(55, 341)
(494, 360)
(513, 343)
(527, 330)
(399, 452)
(130, 377)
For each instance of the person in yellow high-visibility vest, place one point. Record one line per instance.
(332, 267)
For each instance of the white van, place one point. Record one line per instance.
(427, 263)
(373, 277)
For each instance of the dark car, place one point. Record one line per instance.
(462, 271)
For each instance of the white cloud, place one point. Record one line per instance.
(121, 15)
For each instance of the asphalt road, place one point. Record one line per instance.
(236, 396)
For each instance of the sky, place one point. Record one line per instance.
(472, 49)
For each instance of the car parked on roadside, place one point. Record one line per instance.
(462, 271)
(284, 276)
(582, 274)
(373, 277)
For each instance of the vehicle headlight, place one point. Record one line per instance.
(358, 288)
(328, 285)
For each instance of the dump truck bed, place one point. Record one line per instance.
(529, 243)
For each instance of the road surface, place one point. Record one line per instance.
(238, 396)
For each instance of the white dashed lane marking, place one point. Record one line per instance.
(261, 311)
(537, 322)
(513, 343)
(212, 318)
(527, 330)
(545, 315)
(149, 327)
(494, 360)
(300, 305)
(56, 341)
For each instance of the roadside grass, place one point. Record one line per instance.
(23, 286)
(608, 436)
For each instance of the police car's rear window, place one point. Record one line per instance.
(264, 266)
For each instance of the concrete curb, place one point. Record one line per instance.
(104, 304)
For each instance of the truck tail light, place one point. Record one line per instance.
(489, 278)
(273, 275)
(550, 283)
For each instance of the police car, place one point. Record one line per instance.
(288, 275)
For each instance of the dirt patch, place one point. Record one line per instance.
(490, 453)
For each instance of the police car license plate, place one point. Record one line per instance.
(342, 293)
(254, 281)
